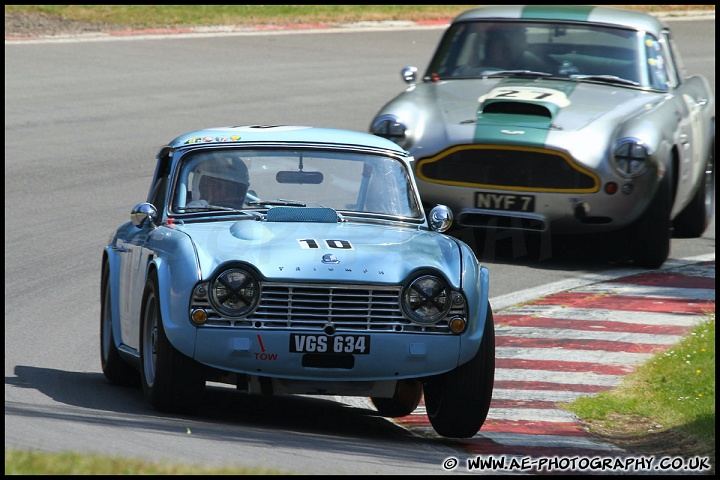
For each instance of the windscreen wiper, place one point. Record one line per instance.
(278, 202)
(605, 78)
(518, 73)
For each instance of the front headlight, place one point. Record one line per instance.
(389, 127)
(234, 292)
(630, 157)
(427, 300)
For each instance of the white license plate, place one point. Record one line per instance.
(354, 344)
(504, 201)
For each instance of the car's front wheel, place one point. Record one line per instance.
(113, 366)
(171, 381)
(649, 238)
(695, 218)
(408, 394)
(458, 401)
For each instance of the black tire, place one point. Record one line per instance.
(408, 394)
(171, 381)
(649, 238)
(113, 366)
(695, 217)
(458, 401)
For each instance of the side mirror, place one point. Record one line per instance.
(440, 218)
(409, 74)
(142, 212)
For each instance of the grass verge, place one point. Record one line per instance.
(666, 407)
(19, 462)
(166, 16)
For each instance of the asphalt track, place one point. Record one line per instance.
(553, 344)
(197, 32)
(562, 341)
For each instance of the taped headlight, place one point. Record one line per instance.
(631, 158)
(427, 300)
(234, 292)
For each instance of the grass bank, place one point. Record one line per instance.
(167, 16)
(666, 408)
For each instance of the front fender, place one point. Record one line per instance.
(175, 260)
(476, 287)
(111, 259)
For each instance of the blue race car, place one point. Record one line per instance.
(296, 260)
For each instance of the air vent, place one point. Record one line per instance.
(517, 108)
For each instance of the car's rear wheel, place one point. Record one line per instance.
(696, 216)
(171, 381)
(649, 238)
(458, 401)
(408, 394)
(113, 366)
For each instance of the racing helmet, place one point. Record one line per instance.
(504, 40)
(221, 180)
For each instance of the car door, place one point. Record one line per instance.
(136, 254)
(133, 267)
(691, 101)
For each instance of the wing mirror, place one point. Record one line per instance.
(440, 218)
(409, 74)
(142, 212)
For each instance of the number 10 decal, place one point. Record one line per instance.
(330, 243)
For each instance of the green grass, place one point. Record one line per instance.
(149, 16)
(18, 462)
(675, 390)
(156, 16)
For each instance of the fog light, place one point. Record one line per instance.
(457, 324)
(199, 316)
(627, 189)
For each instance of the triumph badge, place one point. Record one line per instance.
(329, 258)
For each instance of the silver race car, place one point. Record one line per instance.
(561, 120)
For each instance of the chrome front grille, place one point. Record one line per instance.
(338, 308)
(521, 168)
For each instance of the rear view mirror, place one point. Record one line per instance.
(299, 177)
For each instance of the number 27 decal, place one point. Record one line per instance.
(528, 94)
(330, 243)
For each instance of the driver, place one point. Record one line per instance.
(506, 47)
(221, 181)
